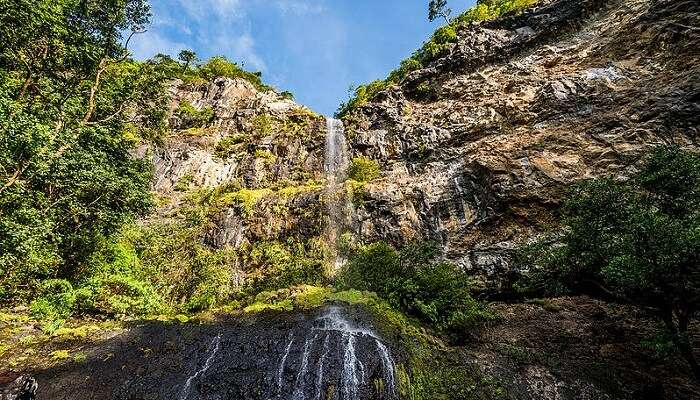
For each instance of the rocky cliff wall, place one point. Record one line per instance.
(258, 153)
(478, 148)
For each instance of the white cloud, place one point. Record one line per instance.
(240, 48)
(299, 7)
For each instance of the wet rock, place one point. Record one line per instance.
(17, 387)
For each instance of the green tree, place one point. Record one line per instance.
(438, 9)
(72, 108)
(636, 242)
(188, 57)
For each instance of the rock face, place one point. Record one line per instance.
(478, 148)
(332, 353)
(265, 151)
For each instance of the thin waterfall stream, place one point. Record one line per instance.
(335, 167)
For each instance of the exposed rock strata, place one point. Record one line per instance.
(521, 108)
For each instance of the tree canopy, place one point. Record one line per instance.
(72, 107)
(636, 242)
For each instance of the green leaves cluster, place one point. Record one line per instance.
(635, 241)
(72, 108)
(363, 169)
(191, 71)
(411, 280)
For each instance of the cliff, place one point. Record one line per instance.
(478, 147)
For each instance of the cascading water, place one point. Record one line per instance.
(213, 349)
(335, 167)
(348, 372)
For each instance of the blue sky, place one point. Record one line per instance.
(314, 48)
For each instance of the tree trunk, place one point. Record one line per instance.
(679, 335)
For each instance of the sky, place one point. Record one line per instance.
(314, 48)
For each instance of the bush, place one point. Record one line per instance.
(219, 66)
(635, 242)
(411, 280)
(190, 117)
(55, 301)
(363, 169)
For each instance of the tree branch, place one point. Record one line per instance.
(18, 173)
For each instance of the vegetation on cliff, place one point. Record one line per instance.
(635, 242)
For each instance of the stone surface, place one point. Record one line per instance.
(526, 105)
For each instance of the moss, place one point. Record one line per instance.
(76, 333)
(246, 199)
(59, 355)
(284, 305)
(183, 184)
(229, 144)
(265, 155)
(79, 357)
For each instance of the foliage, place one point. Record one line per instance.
(188, 57)
(219, 66)
(274, 265)
(410, 280)
(637, 242)
(437, 46)
(68, 110)
(363, 169)
(227, 145)
(438, 9)
(190, 117)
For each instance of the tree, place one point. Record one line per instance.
(438, 9)
(636, 242)
(72, 108)
(188, 57)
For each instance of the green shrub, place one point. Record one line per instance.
(410, 280)
(227, 145)
(275, 265)
(219, 66)
(636, 241)
(190, 117)
(363, 169)
(56, 300)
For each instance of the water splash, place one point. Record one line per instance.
(213, 349)
(358, 349)
(334, 321)
(388, 367)
(350, 382)
(280, 369)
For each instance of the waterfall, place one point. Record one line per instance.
(280, 369)
(335, 167)
(336, 154)
(319, 374)
(213, 349)
(299, 386)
